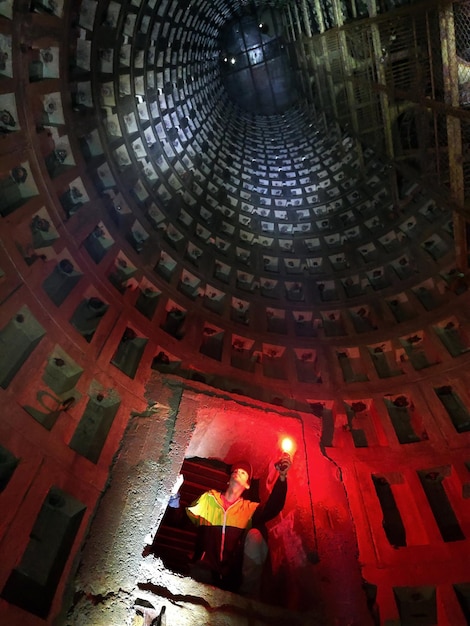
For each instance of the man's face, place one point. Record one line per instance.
(240, 476)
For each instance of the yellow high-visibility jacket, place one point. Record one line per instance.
(221, 532)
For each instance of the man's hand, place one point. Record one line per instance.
(283, 465)
(178, 482)
(174, 502)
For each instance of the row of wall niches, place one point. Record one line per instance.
(214, 231)
(269, 201)
(58, 386)
(38, 238)
(385, 420)
(140, 347)
(388, 495)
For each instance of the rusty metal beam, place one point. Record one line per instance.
(454, 131)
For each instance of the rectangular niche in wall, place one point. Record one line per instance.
(33, 583)
(384, 360)
(417, 350)
(87, 316)
(455, 408)
(462, 591)
(129, 352)
(452, 336)
(351, 364)
(273, 361)
(405, 421)
(428, 295)
(401, 308)
(324, 410)
(392, 522)
(360, 423)
(214, 300)
(35, 236)
(16, 188)
(17, 341)
(174, 320)
(8, 463)
(95, 424)
(276, 320)
(98, 242)
(61, 281)
(303, 324)
(212, 342)
(332, 324)
(61, 373)
(164, 361)
(432, 481)
(241, 355)
(417, 605)
(148, 299)
(306, 366)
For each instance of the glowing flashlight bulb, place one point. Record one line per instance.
(287, 445)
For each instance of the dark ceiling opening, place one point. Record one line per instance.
(255, 65)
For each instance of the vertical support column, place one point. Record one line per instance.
(384, 99)
(290, 25)
(337, 13)
(372, 8)
(319, 14)
(297, 22)
(454, 131)
(354, 9)
(304, 58)
(306, 17)
(286, 25)
(314, 61)
(384, 106)
(347, 73)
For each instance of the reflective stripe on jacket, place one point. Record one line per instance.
(220, 530)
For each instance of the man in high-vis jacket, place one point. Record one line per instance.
(231, 546)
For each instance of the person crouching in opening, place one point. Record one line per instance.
(231, 545)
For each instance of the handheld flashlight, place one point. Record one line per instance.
(285, 460)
